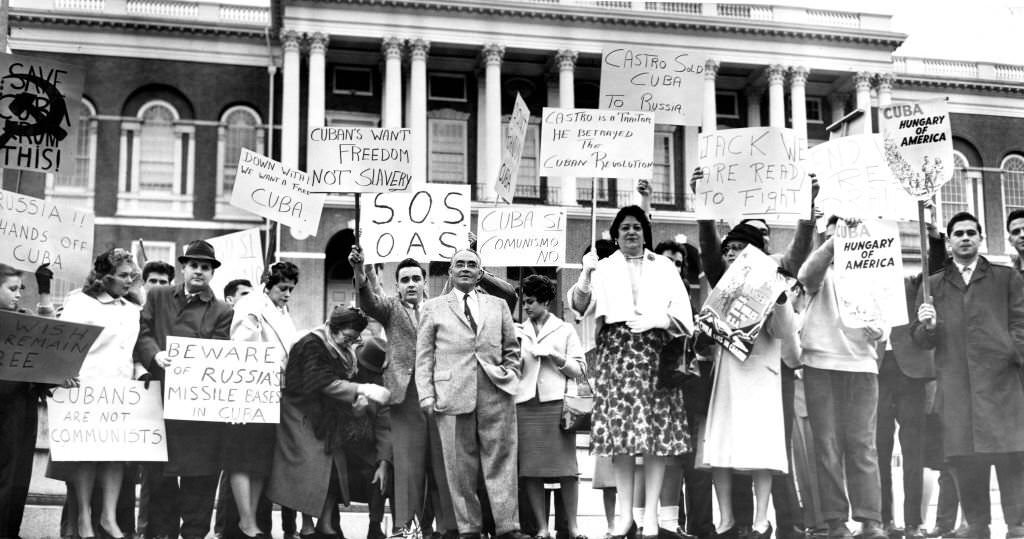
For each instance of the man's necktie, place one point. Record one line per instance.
(469, 313)
(966, 273)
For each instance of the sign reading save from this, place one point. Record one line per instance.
(34, 231)
(521, 235)
(666, 82)
(275, 191)
(360, 160)
(429, 224)
(599, 143)
(44, 350)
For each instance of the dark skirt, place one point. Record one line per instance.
(248, 448)
(545, 450)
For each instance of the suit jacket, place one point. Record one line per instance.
(401, 330)
(448, 352)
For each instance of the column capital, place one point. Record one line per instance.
(776, 74)
(885, 81)
(565, 60)
(317, 42)
(391, 47)
(710, 69)
(798, 75)
(492, 54)
(290, 40)
(862, 81)
(418, 49)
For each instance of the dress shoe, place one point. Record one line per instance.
(1015, 532)
(837, 530)
(962, 532)
(939, 531)
(513, 535)
(731, 533)
(980, 531)
(664, 533)
(892, 530)
(766, 534)
(746, 532)
(913, 532)
(790, 532)
(871, 529)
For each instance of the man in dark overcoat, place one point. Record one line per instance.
(975, 322)
(190, 310)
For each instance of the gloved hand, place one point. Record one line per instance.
(374, 392)
(44, 276)
(646, 322)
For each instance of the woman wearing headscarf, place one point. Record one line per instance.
(640, 303)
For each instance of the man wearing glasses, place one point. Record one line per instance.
(193, 447)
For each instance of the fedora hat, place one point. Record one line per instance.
(371, 355)
(199, 250)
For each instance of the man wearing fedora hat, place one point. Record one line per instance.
(190, 310)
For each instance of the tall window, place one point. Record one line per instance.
(663, 182)
(1013, 183)
(156, 149)
(240, 127)
(447, 147)
(962, 193)
(74, 184)
(157, 152)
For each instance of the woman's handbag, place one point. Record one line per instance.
(577, 405)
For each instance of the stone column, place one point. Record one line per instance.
(315, 116)
(391, 101)
(798, 100)
(709, 119)
(837, 102)
(885, 81)
(862, 81)
(417, 120)
(753, 95)
(290, 99)
(491, 59)
(565, 60)
(776, 94)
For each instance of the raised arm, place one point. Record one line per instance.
(371, 297)
(800, 248)
(812, 273)
(710, 251)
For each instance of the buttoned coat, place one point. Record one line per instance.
(979, 355)
(541, 378)
(401, 329)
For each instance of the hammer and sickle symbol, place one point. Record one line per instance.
(47, 118)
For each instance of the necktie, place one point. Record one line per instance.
(469, 313)
(966, 274)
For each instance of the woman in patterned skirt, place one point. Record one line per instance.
(640, 303)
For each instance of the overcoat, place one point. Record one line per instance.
(979, 355)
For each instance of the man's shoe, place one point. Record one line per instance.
(373, 531)
(871, 529)
(790, 532)
(913, 532)
(669, 534)
(1015, 532)
(513, 535)
(892, 530)
(837, 530)
(939, 531)
(962, 532)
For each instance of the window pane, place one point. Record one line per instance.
(447, 151)
(241, 133)
(1013, 183)
(77, 175)
(156, 150)
(662, 183)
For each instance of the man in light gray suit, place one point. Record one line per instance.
(467, 374)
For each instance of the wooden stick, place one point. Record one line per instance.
(925, 288)
(593, 215)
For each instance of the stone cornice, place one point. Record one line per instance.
(166, 26)
(911, 81)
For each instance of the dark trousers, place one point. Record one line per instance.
(788, 512)
(695, 501)
(901, 399)
(226, 522)
(842, 407)
(179, 505)
(973, 475)
(125, 507)
(529, 525)
(949, 501)
(18, 418)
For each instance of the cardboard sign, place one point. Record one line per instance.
(521, 235)
(666, 82)
(752, 172)
(428, 224)
(241, 257)
(39, 101)
(855, 180)
(116, 420)
(605, 144)
(736, 309)
(34, 231)
(279, 193)
(44, 350)
(360, 160)
(223, 381)
(918, 145)
(512, 150)
(869, 274)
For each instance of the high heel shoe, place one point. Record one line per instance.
(766, 534)
(731, 533)
(102, 533)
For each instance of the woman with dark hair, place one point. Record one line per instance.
(317, 403)
(639, 303)
(102, 302)
(248, 450)
(552, 357)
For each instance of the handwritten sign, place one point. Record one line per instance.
(512, 150)
(752, 172)
(34, 231)
(39, 101)
(275, 191)
(918, 145)
(587, 142)
(869, 274)
(360, 159)
(666, 82)
(521, 235)
(241, 256)
(222, 381)
(855, 180)
(736, 309)
(45, 350)
(110, 420)
(429, 224)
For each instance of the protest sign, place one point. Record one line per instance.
(599, 143)
(918, 145)
(666, 82)
(736, 309)
(44, 350)
(34, 231)
(752, 172)
(869, 274)
(855, 180)
(39, 101)
(109, 420)
(521, 235)
(223, 381)
(241, 257)
(512, 150)
(360, 160)
(428, 224)
(276, 191)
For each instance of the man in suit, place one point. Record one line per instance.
(193, 447)
(467, 375)
(414, 434)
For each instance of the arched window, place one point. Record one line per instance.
(157, 152)
(156, 142)
(1013, 183)
(240, 127)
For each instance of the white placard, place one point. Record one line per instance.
(34, 231)
(360, 160)
(869, 274)
(428, 224)
(512, 150)
(280, 193)
(241, 257)
(601, 143)
(521, 235)
(107, 421)
(666, 82)
(918, 145)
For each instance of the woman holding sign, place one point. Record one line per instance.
(102, 302)
(248, 450)
(639, 303)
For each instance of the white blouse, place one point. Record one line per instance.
(660, 291)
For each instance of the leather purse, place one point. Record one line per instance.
(577, 405)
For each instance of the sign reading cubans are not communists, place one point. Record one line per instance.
(752, 172)
(222, 381)
(39, 101)
(918, 145)
(666, 82)
(360, 160)
(34, 231)
(44, 350)
(109, 420)
(430, 223)
(280, 193)
(521, 235)
(599, 143)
